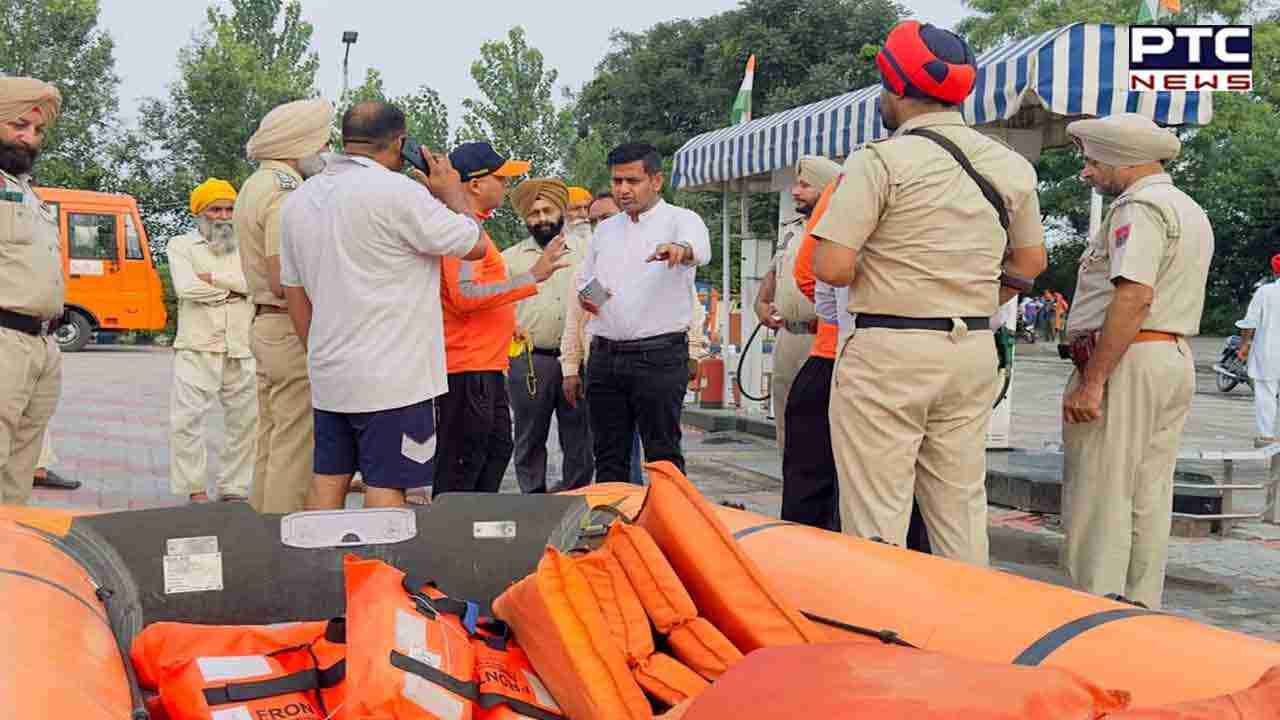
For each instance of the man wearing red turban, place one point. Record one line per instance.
(928, 258)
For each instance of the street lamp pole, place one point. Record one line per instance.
(349, 38)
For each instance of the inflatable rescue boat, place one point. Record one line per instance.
(78, 589)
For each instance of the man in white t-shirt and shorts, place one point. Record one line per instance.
(360, 265)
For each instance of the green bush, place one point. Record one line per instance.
(1220, 320)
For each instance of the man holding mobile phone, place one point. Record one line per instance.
(360, 256)
(637, 281)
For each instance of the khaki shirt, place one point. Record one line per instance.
(929, 244)
(210, 319)
(1156, 235)
(31, 280)
(792, 305)
(542, 316)
(257, 220)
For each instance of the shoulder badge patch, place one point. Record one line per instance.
(285, 180)
(1122, 235)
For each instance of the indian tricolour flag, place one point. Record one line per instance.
(1149, 11)
(742, 104)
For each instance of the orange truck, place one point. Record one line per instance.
(112, 285)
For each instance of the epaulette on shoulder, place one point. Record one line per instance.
(284, 180)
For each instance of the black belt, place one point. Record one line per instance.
(543, 351)
(25, 323)
(657, 342)
(895, 322)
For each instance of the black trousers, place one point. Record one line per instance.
(629, 390)
(809, 485)
(533, 416)
(473, 433)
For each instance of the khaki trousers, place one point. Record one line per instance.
(200, 379)
(286, 428)
(30, 382)
(47, 456)
(1117, 491)
(909, 412)
(790, 351)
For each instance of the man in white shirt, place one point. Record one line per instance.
(1261, 326)
(212, 360)
(360, 263)
(637, 279)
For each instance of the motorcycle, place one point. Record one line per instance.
(1230, 370)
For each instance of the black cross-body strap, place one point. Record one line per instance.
(988, 190)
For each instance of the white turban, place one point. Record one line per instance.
(291, 131)
(818, 171)
(1124, 140)
(19, 95)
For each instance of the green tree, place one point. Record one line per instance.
(60, 42)
(426, 115)
(517, 115)
(245, 60)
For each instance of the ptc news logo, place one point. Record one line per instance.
(1191, 57)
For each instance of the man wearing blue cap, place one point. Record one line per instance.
(479, 300)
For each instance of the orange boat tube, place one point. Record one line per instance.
(954, 608)
(61, 658)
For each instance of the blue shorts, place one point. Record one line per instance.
(393, 449)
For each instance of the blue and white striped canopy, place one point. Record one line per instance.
(1077, 70)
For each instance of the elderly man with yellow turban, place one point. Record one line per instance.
(32, 289)
(535, 378)
(1139, 296)
(578, 209)
(287, 146)
(212, 361)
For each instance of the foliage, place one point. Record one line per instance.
(516, 114)
(426, 116)
(59, 42)
(252, 57)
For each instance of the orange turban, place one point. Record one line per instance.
(579, 195)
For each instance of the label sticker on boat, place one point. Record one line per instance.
(232, 667)
(191, 545)
(497, 530)
(192, 573)
(240, 712)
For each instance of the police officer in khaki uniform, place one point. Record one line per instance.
(924, 255)
(287, 144)
(781, 305)
(211, 361)
(32, 289)
(534, 380)
(1139, 296)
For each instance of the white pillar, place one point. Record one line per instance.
(726, 296)
(1095, 212)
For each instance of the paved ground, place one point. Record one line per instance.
(111, 431)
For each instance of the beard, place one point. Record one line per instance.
(804, 208)
(545, 232)
(17, 159)
(220, 234)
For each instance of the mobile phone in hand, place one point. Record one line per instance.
(595, 293)
(411, 151)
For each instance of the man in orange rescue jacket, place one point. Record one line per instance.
(479, 300)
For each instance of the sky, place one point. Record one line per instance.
(413, 42)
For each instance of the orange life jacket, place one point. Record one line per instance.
(416, 654)
(410, 655)
(203, 672)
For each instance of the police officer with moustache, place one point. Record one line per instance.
(287, 146)
(1139, 296)
(32, 290)
(928, 259)
(781, 305)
